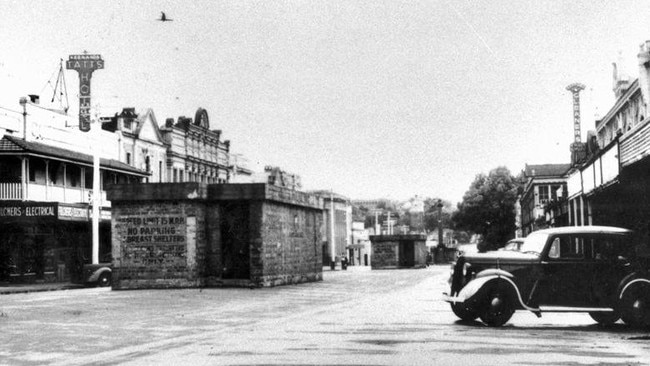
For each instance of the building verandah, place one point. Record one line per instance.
(45, 210)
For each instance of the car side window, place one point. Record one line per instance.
(566, 247)
(576, 248)
(554, 251)
(608, 249)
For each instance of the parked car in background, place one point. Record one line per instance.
(99, 274)
(513, 244)
(588, 269)
(466, 249)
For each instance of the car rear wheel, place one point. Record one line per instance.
(463, 312)
(605, 317)
(498, 308)
(635, 306)
(104, 280)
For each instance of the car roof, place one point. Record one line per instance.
(591, 229)
(516, 240)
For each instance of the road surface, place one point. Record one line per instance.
(354, 317)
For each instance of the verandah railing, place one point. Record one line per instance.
(11, 191)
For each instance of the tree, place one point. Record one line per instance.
(488, 208)
(359, 213)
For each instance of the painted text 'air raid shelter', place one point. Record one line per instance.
(194, 235)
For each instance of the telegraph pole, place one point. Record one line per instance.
(332, 241)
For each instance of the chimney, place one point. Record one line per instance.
(644, 72)
(621, 80)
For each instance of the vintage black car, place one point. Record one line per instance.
(590, 269)
(99, 274)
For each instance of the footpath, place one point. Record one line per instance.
(7, 288)
(21, 288)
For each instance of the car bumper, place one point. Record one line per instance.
(453, 299)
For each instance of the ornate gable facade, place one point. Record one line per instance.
(195, 153)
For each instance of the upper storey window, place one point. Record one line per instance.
(128, 124)
(543, 194)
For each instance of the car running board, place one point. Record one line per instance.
(571, 309)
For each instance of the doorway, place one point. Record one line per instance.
(406, 253)
(235, 241)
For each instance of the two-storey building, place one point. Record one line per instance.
(195, 152)
(614, 183)
(140, 143)
(46, 179)
(337, 228)
(545, 183)
(46, 192)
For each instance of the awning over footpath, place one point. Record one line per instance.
(14, 145)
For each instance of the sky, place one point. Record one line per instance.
(372, 99)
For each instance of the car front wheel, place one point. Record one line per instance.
(497, 309)
(463, 312)
(104, 280)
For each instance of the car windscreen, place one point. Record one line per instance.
(534, 243)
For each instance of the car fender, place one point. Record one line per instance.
(634, 282)
(98, 272)
(494, 272)
(477, 286)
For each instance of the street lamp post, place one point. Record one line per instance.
(332, 232)
(440, 246)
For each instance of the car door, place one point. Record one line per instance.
(611, 259)
(566, 272)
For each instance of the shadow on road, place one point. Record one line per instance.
(593, 328)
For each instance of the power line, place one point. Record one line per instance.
(10, 110)
(478, 35)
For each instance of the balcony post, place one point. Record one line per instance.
(24, 178)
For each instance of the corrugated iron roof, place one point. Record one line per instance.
(546, 170)
(14, 144)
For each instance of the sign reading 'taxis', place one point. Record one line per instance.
(85, 65)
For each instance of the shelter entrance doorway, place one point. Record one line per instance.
(235, 241)
(406, 254)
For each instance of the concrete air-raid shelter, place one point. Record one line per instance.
(170, 235)
(398, 251)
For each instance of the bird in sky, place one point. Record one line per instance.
(163, 17)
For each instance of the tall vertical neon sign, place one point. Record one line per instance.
(85, 65)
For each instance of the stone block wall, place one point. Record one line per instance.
(384, 254)
(290, 245)
(158, 245)
(398, 251)
(190, 235)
